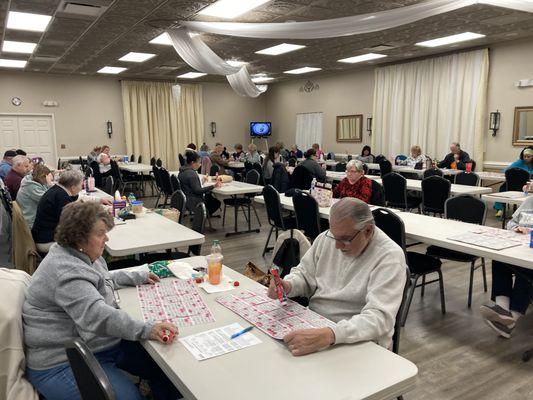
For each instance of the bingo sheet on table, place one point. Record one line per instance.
(271, 316)
(175, 301)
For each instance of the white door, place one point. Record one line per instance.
(32, 133)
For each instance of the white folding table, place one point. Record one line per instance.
(507, 198)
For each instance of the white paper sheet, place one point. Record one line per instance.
(217, 342)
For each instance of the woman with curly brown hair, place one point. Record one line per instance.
(71, 296)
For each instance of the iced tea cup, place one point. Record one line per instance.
(214, 268)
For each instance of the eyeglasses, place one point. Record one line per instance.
(343, 242)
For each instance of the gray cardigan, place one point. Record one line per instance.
(70, 297)
(316, 170)
(192, 187)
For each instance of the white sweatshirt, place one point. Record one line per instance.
(361, 294)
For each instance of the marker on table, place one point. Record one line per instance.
(236, 335)
(167, 336)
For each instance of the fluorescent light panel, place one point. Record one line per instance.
(280, 49)
(443, 41)
(231, 8)
(191, 75)
(136, 57)
(111, 70)
(162, 39)
(27, 22)
(261, 79)
(362, 57)
(18, 47)
(303, 70)
(236, 63)
(4, 62)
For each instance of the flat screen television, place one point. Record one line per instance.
(260, 129)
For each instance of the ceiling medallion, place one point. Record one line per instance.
(309, 86)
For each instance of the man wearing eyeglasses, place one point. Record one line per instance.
(354, 275)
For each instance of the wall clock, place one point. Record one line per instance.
(16, 101)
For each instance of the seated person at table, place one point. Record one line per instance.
(101, 168)
(7, 162)
(191, 146)
(51, 204)
(71, 295)
(216, 158)
(268, 164)
(511, 299)
(225, 153)
(252, 156)
(238, 155)
(354, 275)
(456, 159)
(356, 184)
(93, 155)
(366, 155)
(21, 166)
(283, 152)
(105, 149)
(192, 187)
(32, 188)
(319, 153)
(296, 152)
(416, 157)
(204, 150)
(313, 166)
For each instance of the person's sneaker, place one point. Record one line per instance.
(497, 314)
(498, 214)
(501, 329)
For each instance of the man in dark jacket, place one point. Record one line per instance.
(457, 159)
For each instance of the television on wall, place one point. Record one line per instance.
(260, 129)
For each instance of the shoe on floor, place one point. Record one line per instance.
(501, 329)
(497, 314)
(499, 214)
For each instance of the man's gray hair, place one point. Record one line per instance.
(70, 178)
(350, 208)
(18, 160)
(456, 144)
(358, 165)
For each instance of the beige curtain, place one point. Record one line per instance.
(156, 125)
(432, 103)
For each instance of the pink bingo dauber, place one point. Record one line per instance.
(279, 286)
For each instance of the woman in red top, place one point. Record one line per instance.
(355, 184)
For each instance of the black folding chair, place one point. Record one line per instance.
(301, 178)
(308, 215)
(132, 158)
(178, 201)
(252, 177)
(377, 198)
(181, 160)
(385, 167)
(91, 379)
(175, 183)
(467, 178)
(432, 172)
(215, 169)
(340, 167)
(152, 161)
(274, 214)
(435, 192)
(159, 163)
(396, 196)
(108, 185)
(166, 185)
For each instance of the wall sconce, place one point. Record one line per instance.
(213, 128)
(109, 128)
(494, 124)
(369, 126)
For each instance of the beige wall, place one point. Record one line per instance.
(509, 62)
(342, 94)
(85, 105)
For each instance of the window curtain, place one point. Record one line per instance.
(308, 130)
(432, 103)
(156, 125)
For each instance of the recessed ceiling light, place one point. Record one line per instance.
(361, 58)
(303, 70)
(18, 47)
(280, 49)
(236, 63)
(136, 57)
(111, 70)
(261, 79)
(4, 62)
(27, 22)
(461, 37)
(231, 8)
(191, 75)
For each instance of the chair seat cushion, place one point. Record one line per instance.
(420, 263)
(289, 222)
(413, 202)
(447, 254)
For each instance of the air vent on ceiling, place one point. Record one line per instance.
(167, 67)
(382, 47)
(45, 58)
(80, 9)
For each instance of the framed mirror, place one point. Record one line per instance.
(523, 126)
(350, 128)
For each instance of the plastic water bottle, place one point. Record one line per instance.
(216, 248)
(117, 196)
(531, 238)
(313, 184)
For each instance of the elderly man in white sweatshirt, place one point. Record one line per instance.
(354, 275)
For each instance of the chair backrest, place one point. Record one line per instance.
(377, 198)
(132, 158)
(365, 168)
(273, 207)
(198, 225)
(391, 225)
(516, 178)
(292, 162)
(205, 169)
(139, 159)
(166, 184)
(181, 160)
(307, 214)
(157, 177)
(175, 183)
(385, 167)
(178, 201)
(466, 208)
(108, 184)
(214, 170)
(159, 163)
(399, 314)
(467, 178)
(301, 178)
(91, 379)
(252, 177)
(432, 172)
(379, 158)
(435, 192)
(340, 167)
(152, 161)
(395, 187)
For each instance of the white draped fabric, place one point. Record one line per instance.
(308, 130)
(432, 103)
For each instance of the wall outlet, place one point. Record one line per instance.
(63, 146)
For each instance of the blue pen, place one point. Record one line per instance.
(236, 335)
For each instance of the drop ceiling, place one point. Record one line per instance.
(86, 35)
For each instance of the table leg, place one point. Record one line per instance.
(236, 214)
(504, 215)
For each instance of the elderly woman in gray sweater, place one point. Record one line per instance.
(72, 295)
